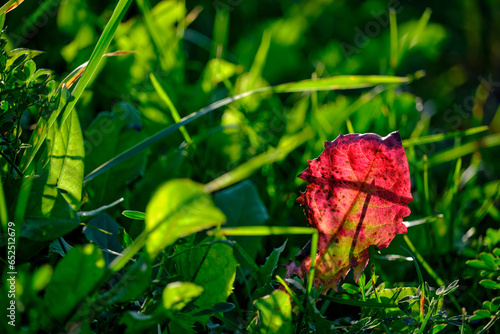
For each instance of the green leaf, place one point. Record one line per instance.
(103, 231)
(275, 313)
(242, 207)
(132, 285)
(450, 288)
(95, 59)
(266, 271)
(217, 70)
(136, 322)
(212, 267)
(178, 294)
(124, 238)
(494, 305)
(74, 279)
(178, 208)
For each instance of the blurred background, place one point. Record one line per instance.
(203, 51)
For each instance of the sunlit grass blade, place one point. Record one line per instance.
(71, 78)
(340, 82)
(442, 136)
(262, 230)
(93, 63)
(422, 221)
(248, 168)
(422, 23)
(464, 149)
(394, 38)
(175, 114)
(314, 249)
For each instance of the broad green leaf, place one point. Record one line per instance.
(178, 294)
(178, 208)
(357, 196)
(210, 266)
(74, 280)
(275, 314)
(136, 322)
(242, 207)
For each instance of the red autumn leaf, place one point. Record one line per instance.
(357, 195)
